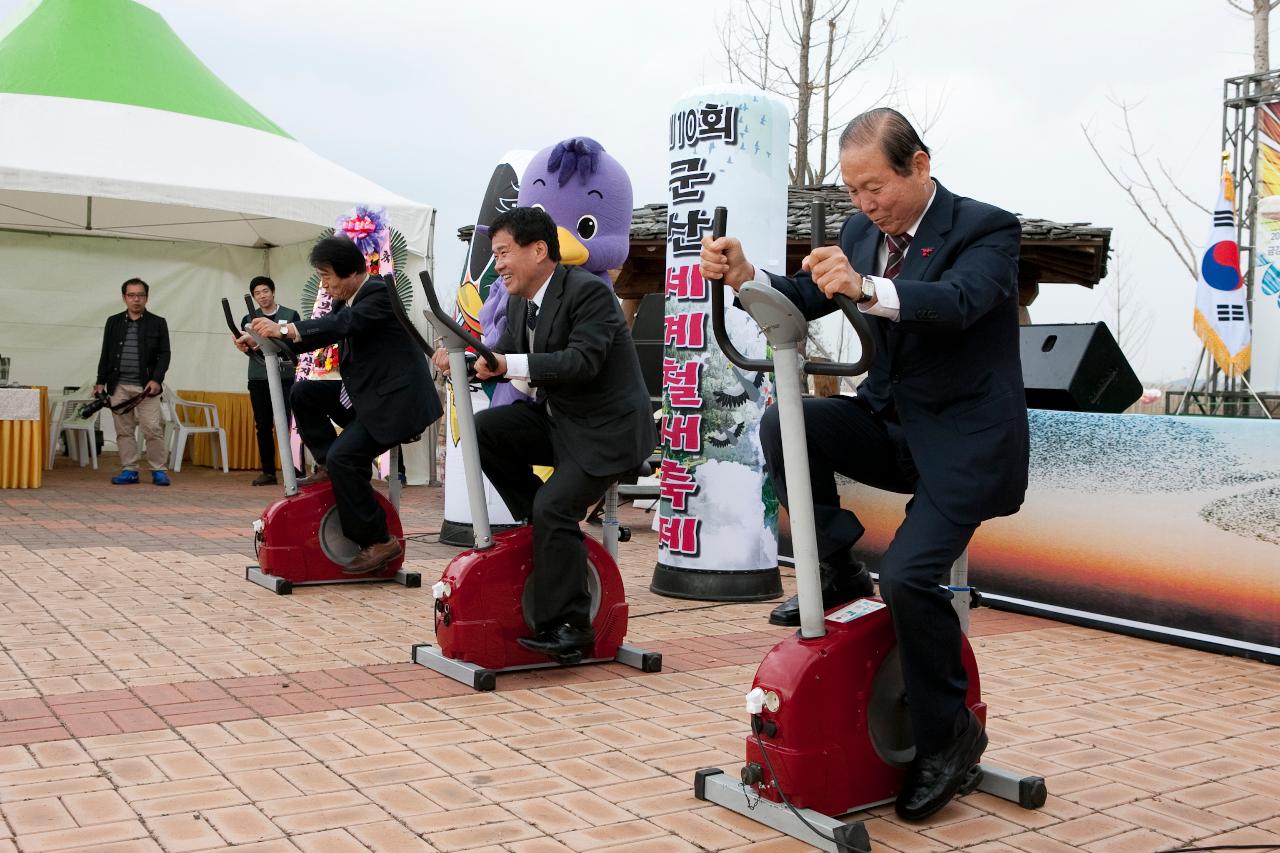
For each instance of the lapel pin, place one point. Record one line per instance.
(926, 251)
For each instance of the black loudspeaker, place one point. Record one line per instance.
(1076, 368)
(647, 334)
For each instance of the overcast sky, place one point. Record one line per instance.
(424, 97)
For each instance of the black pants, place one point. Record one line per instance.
(348, 457)
(846, 437)
(512, 438)
(264, 420)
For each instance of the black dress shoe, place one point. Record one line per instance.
(565, 643)
(842, 582)
(265, 480)
(932, 780)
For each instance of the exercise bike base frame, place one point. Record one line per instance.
(483, 678)
(713, 785)
(284, 586)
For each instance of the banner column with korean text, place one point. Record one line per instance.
(718, 516)
(1265, 367)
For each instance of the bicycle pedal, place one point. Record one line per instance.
(972, 779)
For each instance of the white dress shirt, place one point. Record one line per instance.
(518, 362)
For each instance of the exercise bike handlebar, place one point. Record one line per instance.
(278, 348)
(256, 355)
(849, 308)
(448, 324)
(861, 327)
(719, 223)
(397, 308)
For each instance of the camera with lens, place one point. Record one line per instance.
(100, 400)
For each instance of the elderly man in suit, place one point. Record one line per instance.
(385, 396)
(942, 414)
(590, 416)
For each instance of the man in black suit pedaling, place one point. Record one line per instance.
(941, 416)
(590, 417)
(385, 396)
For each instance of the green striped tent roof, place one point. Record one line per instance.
(117, 51)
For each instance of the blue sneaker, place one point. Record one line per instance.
(125, 478)
(158, 478)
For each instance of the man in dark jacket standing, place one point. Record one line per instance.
(590, 416)
(134, 360)
(263, 290)
(942, 415)
(385, 396)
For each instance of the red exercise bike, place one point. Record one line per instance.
(482, 597)
(299, 540)
(830, 732)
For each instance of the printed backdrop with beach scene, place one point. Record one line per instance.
(1160, 526)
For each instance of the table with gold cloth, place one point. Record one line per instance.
(24, 443)
(235, 416)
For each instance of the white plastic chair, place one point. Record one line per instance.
(64, 417)
(203, 419)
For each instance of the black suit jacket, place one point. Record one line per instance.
(949, 369)
(583, 360)
(383, 368)
(153, 349)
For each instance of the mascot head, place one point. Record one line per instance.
(588, 194)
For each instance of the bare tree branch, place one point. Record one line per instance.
(1261, 15)
(1139, 205)
(1180, 191)
(1134, 321)
(1150, 185)
(928, 114)
(771, 44)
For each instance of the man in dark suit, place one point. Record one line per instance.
(385, 396)
(590, 417)
(942, 414)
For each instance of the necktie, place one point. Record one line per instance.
(343, 396)
(897, 252)
(531, 323)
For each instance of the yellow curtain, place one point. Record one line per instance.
(235, 416)
(24, 445)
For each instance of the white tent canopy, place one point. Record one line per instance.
(149, 167)
(71, 166)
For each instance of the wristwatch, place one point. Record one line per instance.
(284, 329)
(868, 290)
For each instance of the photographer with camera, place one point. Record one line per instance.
(131, 369)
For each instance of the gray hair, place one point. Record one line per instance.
(890, 128)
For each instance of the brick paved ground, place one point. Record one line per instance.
(151, 699)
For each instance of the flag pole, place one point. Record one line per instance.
(1255, 396)
(1192, 386)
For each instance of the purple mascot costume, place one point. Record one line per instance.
(588, 195)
